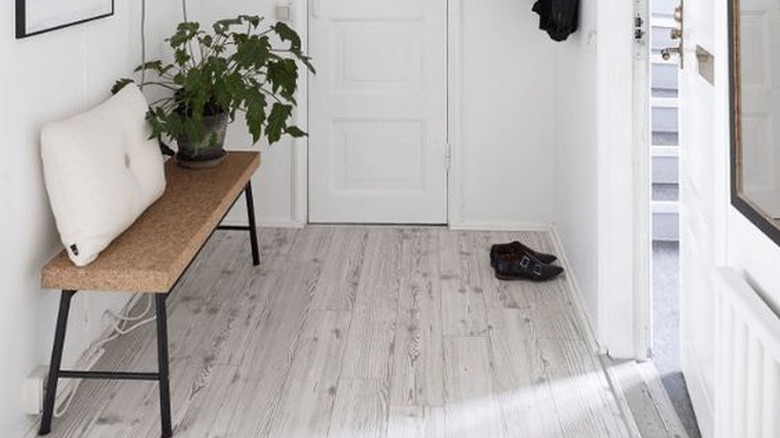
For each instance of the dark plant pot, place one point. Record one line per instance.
(204, 154)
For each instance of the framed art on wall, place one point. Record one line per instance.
(35, 17)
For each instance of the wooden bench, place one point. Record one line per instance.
(150, 257)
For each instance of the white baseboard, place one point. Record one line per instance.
(500, 226)
(579, 299)
(265, 223)
(280, 224)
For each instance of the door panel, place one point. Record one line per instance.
(377, 116)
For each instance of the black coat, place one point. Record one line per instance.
(558, 17)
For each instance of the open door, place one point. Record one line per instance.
(698, 200)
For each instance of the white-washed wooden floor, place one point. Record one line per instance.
(358, 332)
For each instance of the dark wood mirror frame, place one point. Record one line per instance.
(749, 209)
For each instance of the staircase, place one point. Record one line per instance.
(665, 126)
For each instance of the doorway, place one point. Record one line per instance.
(378, 112)
(665, 148)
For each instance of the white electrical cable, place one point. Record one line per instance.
(143, 42)
(184, 9)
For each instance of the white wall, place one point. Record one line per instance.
(576, 154)
(593, 138)
(506, 147)
(44, 78)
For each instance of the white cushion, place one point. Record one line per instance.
(102, 171)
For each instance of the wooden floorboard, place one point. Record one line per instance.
(418, 351)
(358, 332)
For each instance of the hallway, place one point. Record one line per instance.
(359, 332)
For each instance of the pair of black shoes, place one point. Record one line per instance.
(515, 261)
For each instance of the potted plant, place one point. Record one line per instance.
(216, 75)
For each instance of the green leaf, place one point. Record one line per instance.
(283, 76)
(251, 52)
(286, 33)
(277, 122)
(182, 57)
(121, 83)
(295, 132)
(151, 65)
(254, 20)
(306, 60)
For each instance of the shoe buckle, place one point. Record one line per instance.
(525, 262)
(538, 270)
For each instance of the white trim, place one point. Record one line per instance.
(500, 226)
(617, 189)
(299, 163)
(280, 224)
(454, 93)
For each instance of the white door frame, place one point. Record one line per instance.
(300, 155)
(454, 92)
(623, 179)
(643, 227)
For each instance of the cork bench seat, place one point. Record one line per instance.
(153, 253)
(150, 257)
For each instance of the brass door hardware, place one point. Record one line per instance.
(677, 33)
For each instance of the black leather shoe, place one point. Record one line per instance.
(524, 267)
(518, 248)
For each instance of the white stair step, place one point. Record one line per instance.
(665, 151)
(665, 207)
(664, 102)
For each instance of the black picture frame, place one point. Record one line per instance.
(742, 203)
(21, 20)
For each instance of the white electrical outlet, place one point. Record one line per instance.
(283, 12)
(33, 390)
(35, 383)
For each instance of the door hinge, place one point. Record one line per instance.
(639, 32)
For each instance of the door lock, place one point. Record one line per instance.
(677, 33)
(666, 53)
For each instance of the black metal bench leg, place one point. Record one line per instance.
(162, 360)
(250, 211)
(56, 361)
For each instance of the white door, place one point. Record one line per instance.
(378, 111)
(698, 216)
